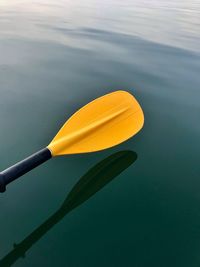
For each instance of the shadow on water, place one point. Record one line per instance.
(95, 179)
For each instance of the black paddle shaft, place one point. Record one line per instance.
(22, 167)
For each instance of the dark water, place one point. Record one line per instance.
(55, 56)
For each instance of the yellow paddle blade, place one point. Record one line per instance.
(105, 122)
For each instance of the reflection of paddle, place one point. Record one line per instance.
(103, 123)
(96, 178)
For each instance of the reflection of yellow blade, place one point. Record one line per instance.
(102, 123)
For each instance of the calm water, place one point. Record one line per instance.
(55, 56)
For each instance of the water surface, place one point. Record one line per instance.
(55, 56)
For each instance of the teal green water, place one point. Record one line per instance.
(135, 205)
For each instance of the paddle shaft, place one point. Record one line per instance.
(22, 167)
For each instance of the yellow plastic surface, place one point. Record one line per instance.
(105, 122)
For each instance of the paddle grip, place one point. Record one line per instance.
(22, 167)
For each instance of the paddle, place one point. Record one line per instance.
(105, 122)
